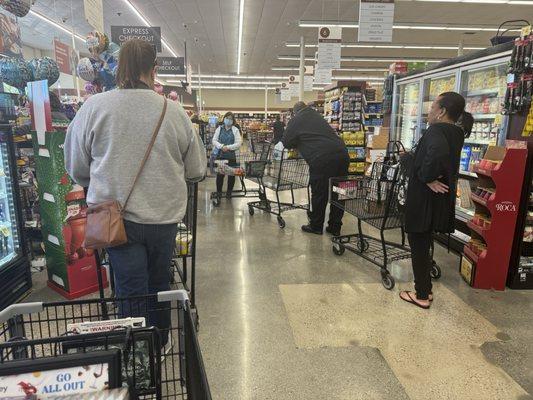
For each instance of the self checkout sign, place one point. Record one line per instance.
(150, 34)
(171, 65)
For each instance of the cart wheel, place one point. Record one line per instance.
(338, 249)
(388, 281)
(216, 201)
(362, 245)
(281, 222)
(435, 271)
(251, 210)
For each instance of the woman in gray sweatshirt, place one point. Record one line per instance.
(104, 148)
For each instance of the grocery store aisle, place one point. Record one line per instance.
(283, 318)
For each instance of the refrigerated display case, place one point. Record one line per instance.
(15, 274)
(481, 78)
(407, 115)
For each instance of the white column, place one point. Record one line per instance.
(74, 68)
(266, 103)
(200, 90)
(460, 50)
(302, 67)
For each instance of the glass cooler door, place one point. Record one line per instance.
(10, 248)
(407, 115)
(432, 88)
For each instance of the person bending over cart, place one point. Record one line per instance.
(326, 154)
(431, 193)
(104, 149)
(226, 142)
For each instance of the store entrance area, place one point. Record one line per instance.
(282, 317)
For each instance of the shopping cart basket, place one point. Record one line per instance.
(282, 173)
(379, 201)
(243, 158)
(49, 333)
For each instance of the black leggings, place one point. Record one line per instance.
(421, 260)
(220, 183)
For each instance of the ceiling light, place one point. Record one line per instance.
(512, 2)
(147, 23)
(347, 69)
(239, 47)
(364, 59)
(245, 87)
(391, 46)
(317, 24)
(211, 82)
(55, 24)
(202, 76)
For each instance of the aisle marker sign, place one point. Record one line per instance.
(376, 18)
(285, 92)
(294, 86)
(150, 34)
(329, 52)
(94, 14)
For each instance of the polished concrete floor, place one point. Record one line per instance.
(281, 317)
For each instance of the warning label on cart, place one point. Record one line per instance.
(106, 326)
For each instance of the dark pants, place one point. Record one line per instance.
(141, 267)
(420, 244)
(320, 171)
(231, 178)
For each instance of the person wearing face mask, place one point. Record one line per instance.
(226, 143)
(431, 193)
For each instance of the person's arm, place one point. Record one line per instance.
(194, 158)
(238, 141)
(215, 141)
(290, 136)
(77, 148)
(431, 167)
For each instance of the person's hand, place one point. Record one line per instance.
(224, 148)
(438, 187)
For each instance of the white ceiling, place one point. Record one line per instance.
(210, 28)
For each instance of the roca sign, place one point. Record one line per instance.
(150, 34)
(506, 206)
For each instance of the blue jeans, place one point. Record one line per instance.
(142, 267)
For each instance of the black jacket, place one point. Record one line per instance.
(278, 127)
(310, 133)
(437, 156)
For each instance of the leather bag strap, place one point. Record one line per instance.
(147, 154)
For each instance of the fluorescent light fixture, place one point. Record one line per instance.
(244, 87)
(317, 24)
(217, 82)
(364, 59)
(243, 77)
(337, 70)
(239, 47)
(391, 46)
(147, 23)
(56, 25)
(511, 2)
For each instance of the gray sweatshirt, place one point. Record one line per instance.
(106, 143)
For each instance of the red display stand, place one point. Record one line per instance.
(486, 259)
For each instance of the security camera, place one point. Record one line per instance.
(64, 20)
(185, 25)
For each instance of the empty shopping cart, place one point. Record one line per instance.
(284, 172)
(378, 200)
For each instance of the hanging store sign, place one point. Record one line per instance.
(376, 18)
(150, 34)
(170, 65)
(285, 92)
(294, 86)
(62, 54)
(323, 76)
(94, 14)
(329, 47)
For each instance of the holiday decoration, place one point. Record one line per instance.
(173, 95)
(20, 8)
(15, 72)
(97, 43)
(88, 69)
(44, 68)
(158, 88)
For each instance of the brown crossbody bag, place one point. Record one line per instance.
(105, 221)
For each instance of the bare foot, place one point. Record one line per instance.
(410, 297)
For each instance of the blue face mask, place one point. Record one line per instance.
(228, 122)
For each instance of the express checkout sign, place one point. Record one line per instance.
(150, 34)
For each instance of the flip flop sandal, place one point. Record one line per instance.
(413, 301)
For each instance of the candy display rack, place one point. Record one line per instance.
(487, 256)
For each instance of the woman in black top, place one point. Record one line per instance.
(431, 194)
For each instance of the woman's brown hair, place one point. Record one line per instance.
(136, 58)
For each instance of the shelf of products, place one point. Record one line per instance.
(496, 201)
(344, 109)
(432, 88)
(407, 118)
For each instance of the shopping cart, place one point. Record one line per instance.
(243, 159)
(379, 201)
(283, 173)
(261, 136)
(39, 336)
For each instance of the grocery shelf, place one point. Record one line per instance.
(471, 255)
(481, 171)
(467, 173)
(478, 229)
(485, 116)
(480, 142)
(479, 200)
